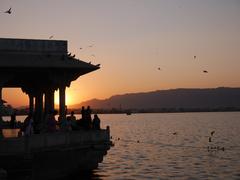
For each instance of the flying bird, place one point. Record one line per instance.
(212, 133)
(205, 71)
(8, 11)
(80, 48)
(51, 37)
(159, 68)
(209, 139)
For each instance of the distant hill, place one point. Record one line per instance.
(174, 98)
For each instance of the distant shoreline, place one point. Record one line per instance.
(165, 111)
(153, 110)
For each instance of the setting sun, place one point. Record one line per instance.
(69, 98)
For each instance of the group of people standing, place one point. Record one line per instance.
(86, 121)
(70, 123)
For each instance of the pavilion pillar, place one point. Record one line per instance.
(1, 103)
(31, 103)
(1, 110)
(1, 93)
(38, 112)
(62, 104)
(49, 100)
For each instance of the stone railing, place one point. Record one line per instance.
(41, 142)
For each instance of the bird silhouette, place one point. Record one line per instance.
(175, 133)
(51, 37)
(212, 133)
(80, 48)
(9, 11)
(159, 68)
(209, 139)
(205, 71)
(194, 57)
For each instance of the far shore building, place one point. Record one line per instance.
(39, 68)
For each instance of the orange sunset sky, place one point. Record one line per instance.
(131, 39)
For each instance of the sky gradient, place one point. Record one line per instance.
(133, 38)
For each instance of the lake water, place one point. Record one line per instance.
(171, 146)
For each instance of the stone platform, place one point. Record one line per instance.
(52, 155)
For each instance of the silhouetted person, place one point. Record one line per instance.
(68, 124)
(88, 117)
(73, 117)
(96, 122)
(27, 128)
(52, 123)
(84, 122)
(13, 120)
(73, 121)
(83, 113)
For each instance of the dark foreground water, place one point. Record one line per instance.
(171, 146)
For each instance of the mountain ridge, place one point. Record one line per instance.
(171, 98)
